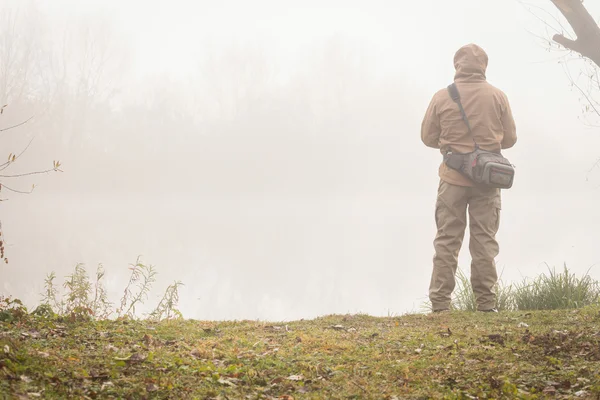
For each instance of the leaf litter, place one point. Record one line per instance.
(455, 355)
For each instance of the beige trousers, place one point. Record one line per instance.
(483, 206)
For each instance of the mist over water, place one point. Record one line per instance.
(269, 156)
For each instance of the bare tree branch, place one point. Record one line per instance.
(31, 173)
(16, 191)
(16, 126)
(529, 6)
(10, 162)
(583, 93)
(585, 27)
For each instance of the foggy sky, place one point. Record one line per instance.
(293, 182)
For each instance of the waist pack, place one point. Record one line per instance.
(483, 167)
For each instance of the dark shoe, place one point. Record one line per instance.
(490, 310)
(442, 310)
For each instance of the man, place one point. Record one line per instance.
(443, 128)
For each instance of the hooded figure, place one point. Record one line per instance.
(443, 128)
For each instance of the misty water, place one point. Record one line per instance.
(277, 171)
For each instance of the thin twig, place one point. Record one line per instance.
(560, 24)
(358, 386)
(17, 191)
(8, 163)
(584, 94)
(31, 173)
(596, 164)
(16, 126)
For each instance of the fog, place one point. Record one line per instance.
(267, 154)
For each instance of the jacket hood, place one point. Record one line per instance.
(470, 62)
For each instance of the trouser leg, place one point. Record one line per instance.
(451, 221)
(484, 220)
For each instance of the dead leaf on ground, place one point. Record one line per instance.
(550, 390)
(273, 328)
(226, 382)
(148, 340)
(446, 333)
(110, 347)
(276, 381)
(135, 357)
(151, 387)
(197, 354)
(496, 338)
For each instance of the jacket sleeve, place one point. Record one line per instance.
(508, 123)
(430, 127)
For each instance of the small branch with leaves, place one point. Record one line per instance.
(12, 159)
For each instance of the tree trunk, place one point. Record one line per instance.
(584, 26)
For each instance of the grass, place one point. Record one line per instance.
(545, 292)
(87, 300)
(556, 291)
(454, 355)
(464, 298)
(78, 344)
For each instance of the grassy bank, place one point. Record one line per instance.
(538, 354)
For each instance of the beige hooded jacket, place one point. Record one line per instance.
(487, 109)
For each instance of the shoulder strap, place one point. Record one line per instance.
(453, 90)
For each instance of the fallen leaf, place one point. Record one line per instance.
(446, 333)
(496, 339)
(274, 328)
(276, 381)
(295, 378)
(137, 357)
(550, 390)
(226, 382)
(196, 354)
(110, 347)
(148, 340)
(132, 358)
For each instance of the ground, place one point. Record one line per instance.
(455, 355)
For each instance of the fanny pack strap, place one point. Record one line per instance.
(453, 90)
